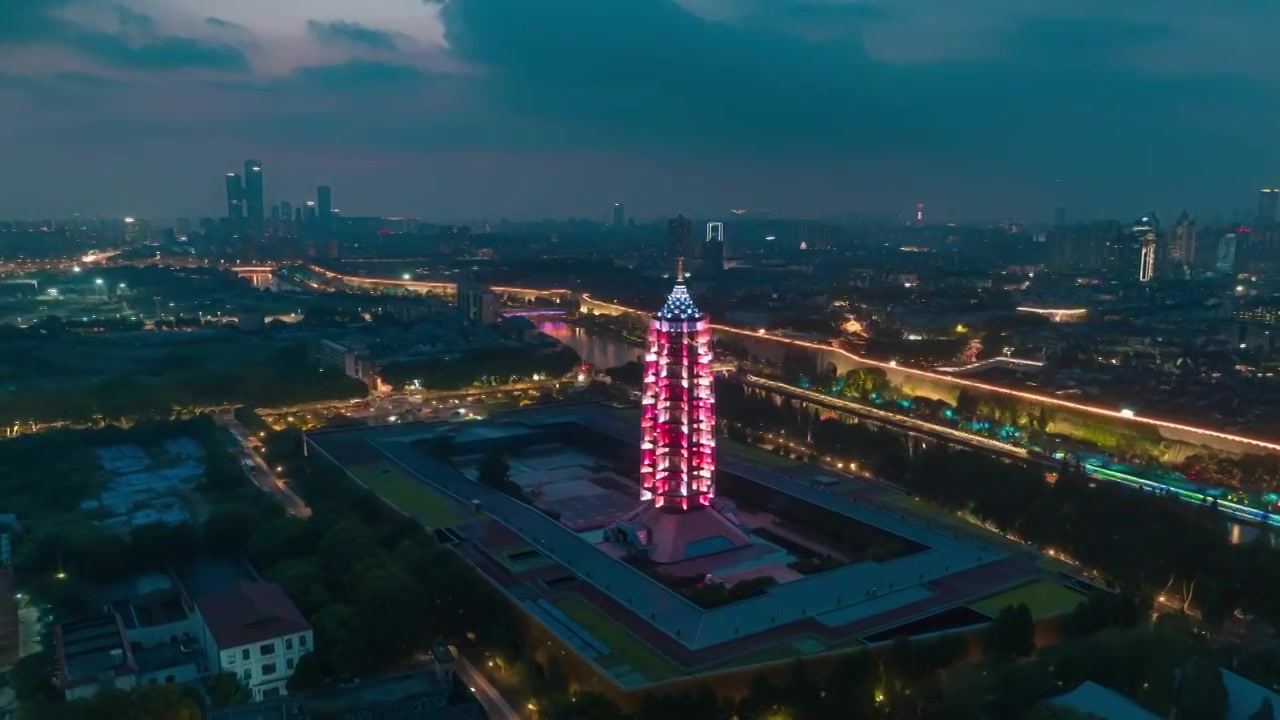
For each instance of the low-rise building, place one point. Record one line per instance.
(94, 655)
(256, 632)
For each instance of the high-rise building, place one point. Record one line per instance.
(286, 210)
(1144, 235)
(235, 197)
(254, 208)
(324, 207)
(1059, 217)
(679, 237)
(311, 214)
(1181, 249)
(618, 216)
(478, 304)
(275, 211)
(713, 246)
(1268, 198)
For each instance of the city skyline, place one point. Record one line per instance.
(503, 109)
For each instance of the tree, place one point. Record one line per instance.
(582, 706)
(226, 690)
(311, 673)
(1201, 694)
(1011, 634)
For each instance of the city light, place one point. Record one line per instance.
(1033, 397)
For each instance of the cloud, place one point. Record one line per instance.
(132, 20)
(353, 34)
(134, 44)
(358, 75)
(221, 24)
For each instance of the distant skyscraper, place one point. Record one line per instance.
(1059, 217)
(254, 207)
(324, 207)
(920, 214)
(311, 214)
(235, 197)
(1144, 237)
(679, 237)
(286, 210)
(1181, 249)
(619, 216)
(275, 211)
(1267, 201)
(713, 249)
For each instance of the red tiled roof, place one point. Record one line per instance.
(250, 612)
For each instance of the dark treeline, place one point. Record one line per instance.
(517, 362)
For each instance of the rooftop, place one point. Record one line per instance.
(251, 612)
(89, 649)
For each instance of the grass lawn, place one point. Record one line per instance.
(624, 648)
(409, 495)
(756, 455)
(1044, 598)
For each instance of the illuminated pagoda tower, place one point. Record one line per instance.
(679, 519)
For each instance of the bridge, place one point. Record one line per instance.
(1057, 314)
(436, 286)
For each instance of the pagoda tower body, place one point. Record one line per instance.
(679, 517)
(678, 420)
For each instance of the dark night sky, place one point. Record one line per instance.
(535, 108)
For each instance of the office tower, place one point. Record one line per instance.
(1181, 247)
(713, 247)
(618, 216)
(478, 304)
(311, 214)
(679, 237)
(1228, 245)
(275, 212)
(1267, 200)
(1143, 238)
(324, 207)
(297, 217)
(286, 210)
(253, 205)
(919, 214)
(235, 197)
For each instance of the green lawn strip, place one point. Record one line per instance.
(625, 649)
(916, 506)
(1042, 597)
(757, 455)
(409, 495)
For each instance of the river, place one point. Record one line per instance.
(597, 350)
(602, 351)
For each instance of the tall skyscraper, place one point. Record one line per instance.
(254, 207)
(619, 216)
(1144, 238)
(235, 197)
(1181, 249)
(286, 210)
(679, 237)
(311, 214)
(1059, 217)
(324, 207)
(713, 247)
(1268, 199)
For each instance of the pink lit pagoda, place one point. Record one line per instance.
(678, 519)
